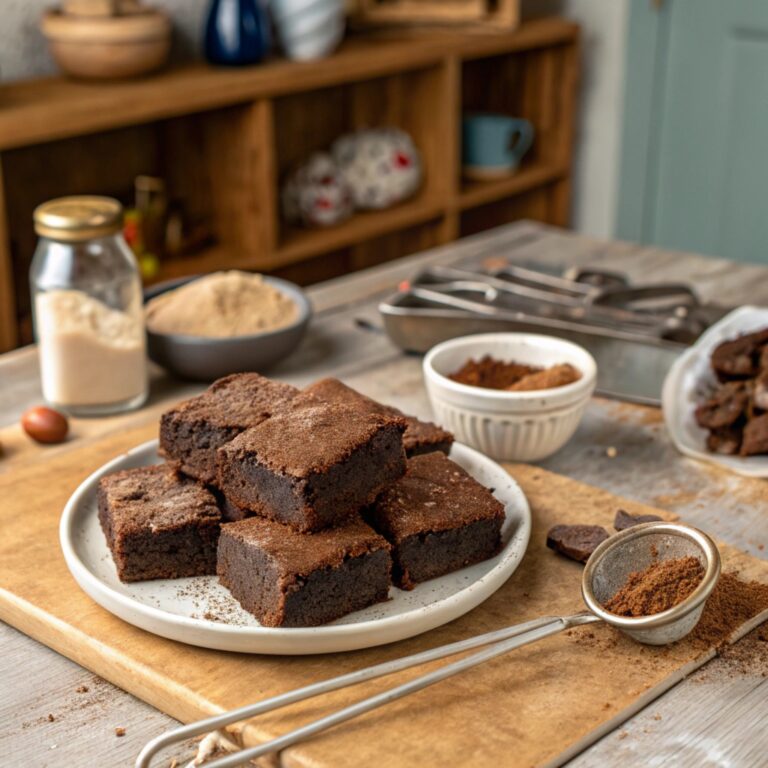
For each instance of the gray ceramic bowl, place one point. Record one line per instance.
(206, 359)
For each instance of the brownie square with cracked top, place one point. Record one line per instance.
(438, 519)
(419, 437)
(312, 464)
(158, 523)
(291, 579)
(192, 431)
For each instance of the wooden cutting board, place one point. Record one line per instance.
(537, 706)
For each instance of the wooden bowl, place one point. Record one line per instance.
(109, 47)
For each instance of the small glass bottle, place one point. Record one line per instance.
(87, 308)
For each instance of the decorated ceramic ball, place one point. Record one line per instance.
(382, 166)
(317, 194)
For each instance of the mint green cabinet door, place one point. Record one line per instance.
(704, 179)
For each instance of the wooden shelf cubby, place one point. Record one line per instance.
(224, 140)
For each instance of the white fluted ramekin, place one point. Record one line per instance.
(509, 426)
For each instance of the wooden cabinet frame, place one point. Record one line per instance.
(224, 138)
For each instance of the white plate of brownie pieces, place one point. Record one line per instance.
(200, 611)
(692, 380)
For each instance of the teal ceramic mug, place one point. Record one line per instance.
(493, 145)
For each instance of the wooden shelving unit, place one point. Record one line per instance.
(224, 139)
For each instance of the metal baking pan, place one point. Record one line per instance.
(634, 346)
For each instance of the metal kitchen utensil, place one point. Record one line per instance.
(664, 309)
(633, 549)
(628, 367)
(634, 333)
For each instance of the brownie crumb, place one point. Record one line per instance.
(659, 587)
(119, 732)
(51, 718)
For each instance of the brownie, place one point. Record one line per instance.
(312, 464)
(438, 519)
(191, 432)
(158, 524)
(230, 512)
(290, 579)
(419, 437)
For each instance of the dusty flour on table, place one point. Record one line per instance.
(221, 305)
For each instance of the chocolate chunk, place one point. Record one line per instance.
(760, 395)
(576, 541)
(755, 436)
(726, 441)
(624, 520)
(725, 407)
(739, 358)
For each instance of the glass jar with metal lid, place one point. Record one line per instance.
(87, 308)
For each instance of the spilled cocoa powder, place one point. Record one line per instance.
(732, 603)
(661, 586)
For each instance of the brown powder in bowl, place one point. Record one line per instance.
(661, 586)
(490, 373)
(221, 305)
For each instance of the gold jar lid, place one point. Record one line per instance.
(80, 217)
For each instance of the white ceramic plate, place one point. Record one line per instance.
(688, 381)
(201, 612)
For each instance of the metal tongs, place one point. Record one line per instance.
(587, 298)
(661, 311)
(609, 567)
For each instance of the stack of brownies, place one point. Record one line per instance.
(307, 504)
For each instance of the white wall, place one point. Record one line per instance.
(598, 137)
(23, 53)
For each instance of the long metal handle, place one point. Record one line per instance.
(504, 640)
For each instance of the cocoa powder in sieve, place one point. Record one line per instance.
(659, 587)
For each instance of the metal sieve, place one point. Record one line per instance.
(634, 549)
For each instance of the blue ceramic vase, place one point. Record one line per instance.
(236, 32)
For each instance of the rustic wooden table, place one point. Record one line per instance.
(54, 713)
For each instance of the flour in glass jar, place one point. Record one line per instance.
(89, 352)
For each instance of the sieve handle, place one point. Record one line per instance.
(516, 636)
